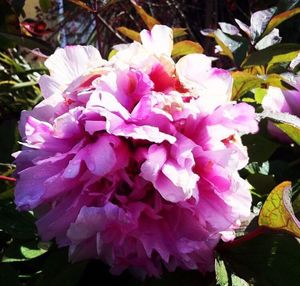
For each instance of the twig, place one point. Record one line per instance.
(5, 178)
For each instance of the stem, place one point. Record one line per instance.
(98, 24)
(249, 236)
(5, 178)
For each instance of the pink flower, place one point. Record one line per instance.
(135, 160)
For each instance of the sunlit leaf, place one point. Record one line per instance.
(288, 123)
(271, 39)
(283, 58)
(277, 211)
(292, 131)
(129, 33)
(228, 28)
(265, 56)
(224, 278)
(45, 5)
(82, 5)
(24, 254)
(244, 82)
(278, 19)
(259, 21)
(224, 42)
(233, 46)
(32, 253)
(179, 32)
(259, 94)
(148, 20)
(275, 80)
(112, 53)
(186, 47)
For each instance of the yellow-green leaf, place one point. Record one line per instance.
(186, 47)
(129, 33)
(278, 19)
(275, 80)
(288, 123)
(277, 211)
(259, 94)
(283, 58)
(292, 131)
(111, 54)
(148, 20)
(45, 5)
(244, 82)
(179, 32)
(267, 55)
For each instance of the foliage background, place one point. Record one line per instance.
(260, 256)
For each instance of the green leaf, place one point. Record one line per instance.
(278, 19)
(180, 277)
(25, 41)
(8, 276)
(45, 5)
(284, 5)
(221, 272)
(9, 23)
(20, 225)
(8, 142)
(18, 253)
(262, 184)
(58, 271)
(265, 260)
(260, 149)
(265, 56)
(186, 47)
(129, 33)
(277, 211)
(32, 253)
(226, 279)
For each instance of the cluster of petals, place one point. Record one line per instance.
(135, 160)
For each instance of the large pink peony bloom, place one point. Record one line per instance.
(135, 160)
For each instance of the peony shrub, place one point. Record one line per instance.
(134, 160)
